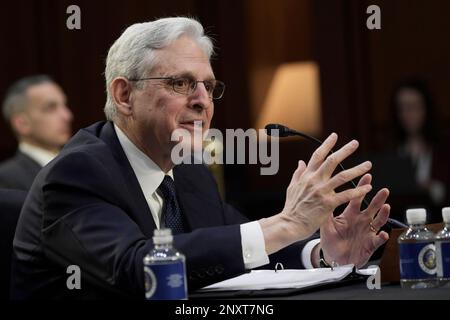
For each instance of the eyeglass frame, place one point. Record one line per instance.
(192, 80)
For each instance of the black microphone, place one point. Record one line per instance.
(284, 131)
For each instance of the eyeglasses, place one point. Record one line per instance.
(187, 86)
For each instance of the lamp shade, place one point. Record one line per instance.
(293, 98)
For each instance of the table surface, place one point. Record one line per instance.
(348, 291)
(359, 291)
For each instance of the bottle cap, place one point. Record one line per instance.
(416, 216)
(162, 236)
(446, 214)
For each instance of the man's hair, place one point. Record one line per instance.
(16, 96)
(133, 54)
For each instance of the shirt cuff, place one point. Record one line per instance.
(307, 252)
(253, 245)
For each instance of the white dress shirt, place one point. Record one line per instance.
(150, 176)
(39, 155)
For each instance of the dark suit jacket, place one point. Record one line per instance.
(86, 208)
(11, 202)
(18, 172)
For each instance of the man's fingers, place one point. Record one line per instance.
(382, 217)
(349, 174)
(356, 203)
(322, 152)
(350, 194)
(365, 179)
(379, 221)
(299, 171)
(377, 202)
(379, 239)
(332, 161)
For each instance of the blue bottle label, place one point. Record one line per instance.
(165, 281)
(443, 258)
(417, 260)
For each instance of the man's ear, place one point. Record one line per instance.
(121, 94)
(21, 124)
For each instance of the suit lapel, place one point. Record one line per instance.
(198, 210)
(29, 165)
(136, 199)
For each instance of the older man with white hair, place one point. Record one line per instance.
(97, 204)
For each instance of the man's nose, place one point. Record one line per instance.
(200, 97)
(66, 114)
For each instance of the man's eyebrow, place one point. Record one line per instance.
(188, 74)
(52, 102)
(48, 104)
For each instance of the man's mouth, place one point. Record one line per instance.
(192, 125)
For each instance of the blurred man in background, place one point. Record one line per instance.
(35, 108)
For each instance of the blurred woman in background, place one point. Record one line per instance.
(417, 137)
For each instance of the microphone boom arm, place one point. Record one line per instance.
(284, 131)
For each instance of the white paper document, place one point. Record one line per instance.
(284, 279)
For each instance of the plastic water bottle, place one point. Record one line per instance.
(417, 252)
(164, 269)
(443, 249)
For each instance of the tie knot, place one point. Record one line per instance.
(167, 187)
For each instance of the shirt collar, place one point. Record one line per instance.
(39, 155)
(148, 173)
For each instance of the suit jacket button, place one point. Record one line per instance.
(210, 272)
(219, 269)
(202, 274)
